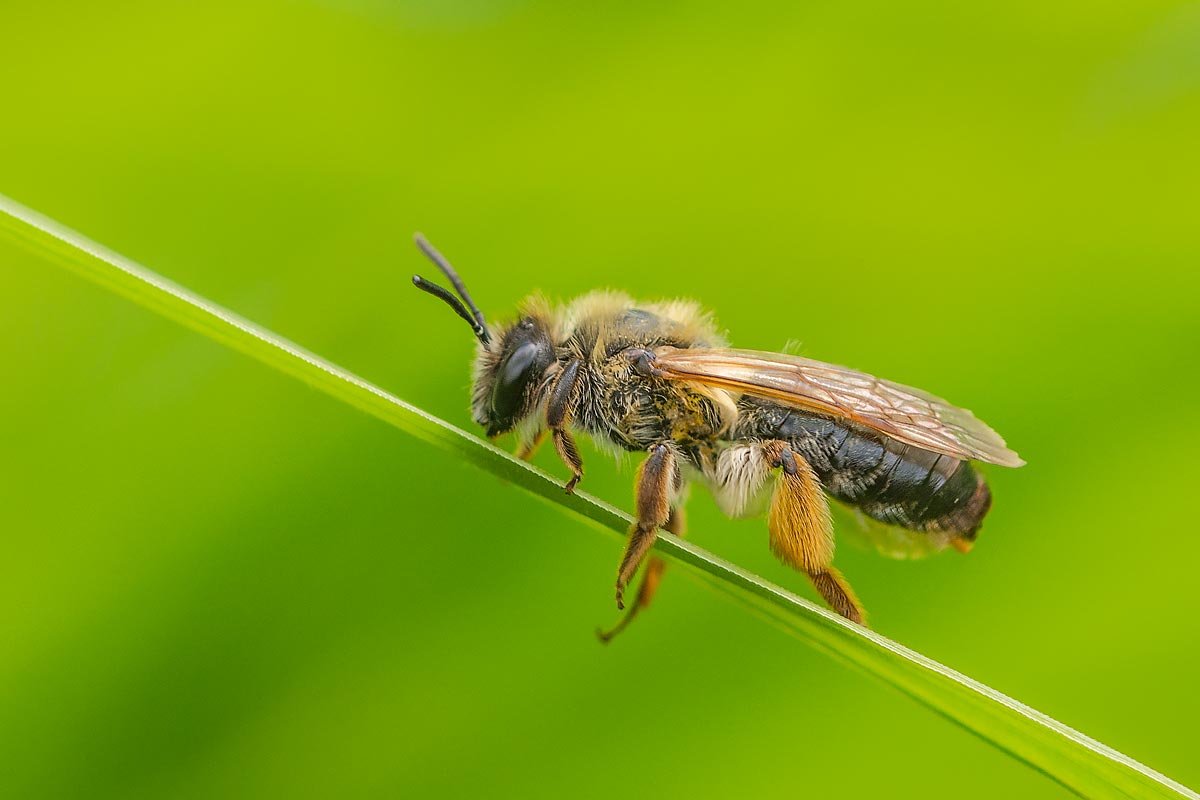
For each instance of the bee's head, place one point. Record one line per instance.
(511, 373)
(512, 362)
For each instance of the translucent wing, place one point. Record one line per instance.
(890, 541)
(905, 414)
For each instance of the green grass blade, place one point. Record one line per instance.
(1079, 763)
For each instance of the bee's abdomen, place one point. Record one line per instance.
(889, 481)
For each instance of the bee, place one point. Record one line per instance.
(756, 428)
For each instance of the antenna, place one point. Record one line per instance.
(474, 316)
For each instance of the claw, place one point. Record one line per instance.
(606, 636)
(569, 486)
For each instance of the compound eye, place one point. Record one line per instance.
(513, 376)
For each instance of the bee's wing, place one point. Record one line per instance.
(891, 541)
(905, 414)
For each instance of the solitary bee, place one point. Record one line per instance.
(658, 378)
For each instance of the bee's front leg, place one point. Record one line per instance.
(657, 481)
(558, 417)
(526, 449)
(568, 451)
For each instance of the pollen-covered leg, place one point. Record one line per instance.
(802, 530)
(675, 524)
(657, 480)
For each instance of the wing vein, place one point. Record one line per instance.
(901, 412)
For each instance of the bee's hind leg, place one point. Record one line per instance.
(677, 524)
(802, 530)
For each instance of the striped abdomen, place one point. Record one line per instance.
(889, 481)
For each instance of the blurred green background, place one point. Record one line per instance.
(217, 582)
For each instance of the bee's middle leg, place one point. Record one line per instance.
(657, 481)
(677, 524)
